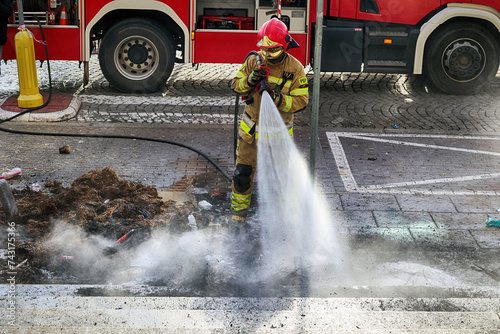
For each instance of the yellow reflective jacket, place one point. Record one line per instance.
(295, 92)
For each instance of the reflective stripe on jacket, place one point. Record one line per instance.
(252, 129)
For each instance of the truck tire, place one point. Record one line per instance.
(461, 58)
(137, 56)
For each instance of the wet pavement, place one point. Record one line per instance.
(411, 176)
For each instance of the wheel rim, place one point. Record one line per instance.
(136, 57)
(464, 60)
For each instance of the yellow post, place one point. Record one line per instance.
(29, 95)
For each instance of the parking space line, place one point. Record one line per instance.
(433, 181)
(342, 163)
(351, 185)
(398, 142)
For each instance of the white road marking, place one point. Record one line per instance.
(342, 163)
(399, 142)
(433, 181)
(351, 185)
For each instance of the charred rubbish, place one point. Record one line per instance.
(100, 204)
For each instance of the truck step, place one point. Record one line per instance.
(386, 63)
(387, 33)
(385, 66)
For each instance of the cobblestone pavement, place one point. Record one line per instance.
(398, 161)
(348, 100)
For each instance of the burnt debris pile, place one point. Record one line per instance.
(100, 205)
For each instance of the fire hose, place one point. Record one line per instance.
(165, 141)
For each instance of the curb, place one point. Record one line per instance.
(53, 116)
(140, 290)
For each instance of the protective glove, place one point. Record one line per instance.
(264, 86)
(273, 92)
(258, 75)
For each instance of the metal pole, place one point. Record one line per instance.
(20, 12)
(316, 85)
(235, 125)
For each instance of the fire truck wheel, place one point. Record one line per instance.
(462, 58)
(137, 56)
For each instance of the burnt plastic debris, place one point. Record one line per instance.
(11, 174)
(110, 250)
(126, 236)
(145, 213)
(205, 205)
(36, 187)
(64, 150)
(492, 222)
(192, 223)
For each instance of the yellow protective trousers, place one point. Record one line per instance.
(244, 172)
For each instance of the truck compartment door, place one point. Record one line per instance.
(389, 49)
(342, 49)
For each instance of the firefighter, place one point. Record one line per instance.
(274, 70)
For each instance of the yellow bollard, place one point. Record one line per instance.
(29, 96)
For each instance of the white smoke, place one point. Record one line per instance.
(79, 254)
(183, 258)
(189, 261)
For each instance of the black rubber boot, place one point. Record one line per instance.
(237, 223)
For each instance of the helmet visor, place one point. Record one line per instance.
(267, 43)
(272, 53)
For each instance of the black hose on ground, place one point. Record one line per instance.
(219, 168)
(22, 132)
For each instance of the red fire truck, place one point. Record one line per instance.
(455, 43)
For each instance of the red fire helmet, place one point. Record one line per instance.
(273, 34)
